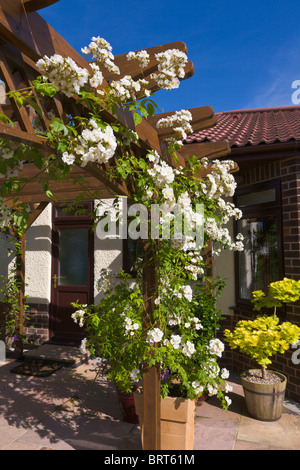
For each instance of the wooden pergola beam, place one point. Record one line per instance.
(33, 5)
(18, 135)
(31, 34)
(210, 150)
(201, 116)
(36, 211)
(130, 67)
(81, 179)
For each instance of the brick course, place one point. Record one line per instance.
(36, 325)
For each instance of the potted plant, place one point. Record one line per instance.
(261, 339)
(188, 357)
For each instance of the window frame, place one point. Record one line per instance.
(273, 208)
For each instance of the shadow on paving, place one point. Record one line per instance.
(67, 410)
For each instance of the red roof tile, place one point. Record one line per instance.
(253, 127)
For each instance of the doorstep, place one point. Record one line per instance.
(69, 355)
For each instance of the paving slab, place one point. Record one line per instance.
(72, 409)
(283, 434)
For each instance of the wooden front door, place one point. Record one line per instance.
(72, 272)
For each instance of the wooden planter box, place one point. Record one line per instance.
(177, 421)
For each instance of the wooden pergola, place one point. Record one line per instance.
(24, 38)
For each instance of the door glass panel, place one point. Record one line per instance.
(258, 263)
(73, 256)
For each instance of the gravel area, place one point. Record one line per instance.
(256, 377)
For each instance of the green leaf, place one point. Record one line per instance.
(35, 156)
(17, 97)
(137, 118)
(36, 107)
(59, 126)
(5, 119)
(144, 111)
(62, 147)
(50, 194)
(44, 88)
(150, 109)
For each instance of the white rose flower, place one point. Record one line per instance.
(188, 349)
(216, 347)
(224, 373)
(175, 340)
(154, 336)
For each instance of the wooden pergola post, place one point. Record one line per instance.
(151, 374)
(20, 262)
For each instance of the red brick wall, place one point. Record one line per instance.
(288, 171)
(37, 324)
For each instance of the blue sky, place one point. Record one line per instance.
(246, 53)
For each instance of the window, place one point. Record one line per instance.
(131, 251)
(68, 212)
(261, 260)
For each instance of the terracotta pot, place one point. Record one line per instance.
(264, 401)
(177, 421)
(203, 398)
(126, 402)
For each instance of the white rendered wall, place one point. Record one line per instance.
(108, 255)
(38, 259)
(223, 266)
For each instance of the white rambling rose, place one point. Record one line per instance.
(68, 158)
(83, 346)
(154, 336)
(228, 400)
(216, 347)
(224, 373)
(168, 193)
(134, 374)
(175, 341)
(188, 349)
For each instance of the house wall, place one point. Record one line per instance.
(288, 170)
(38, 276)
(108, 255)
(38, 266)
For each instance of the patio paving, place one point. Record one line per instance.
(70, 410)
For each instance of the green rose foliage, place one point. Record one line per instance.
(116, 335)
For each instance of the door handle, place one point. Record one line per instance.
(55, 278)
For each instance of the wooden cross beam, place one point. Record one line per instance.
(22, 27)
(130, 67)
(33, 5)
(202, 118)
